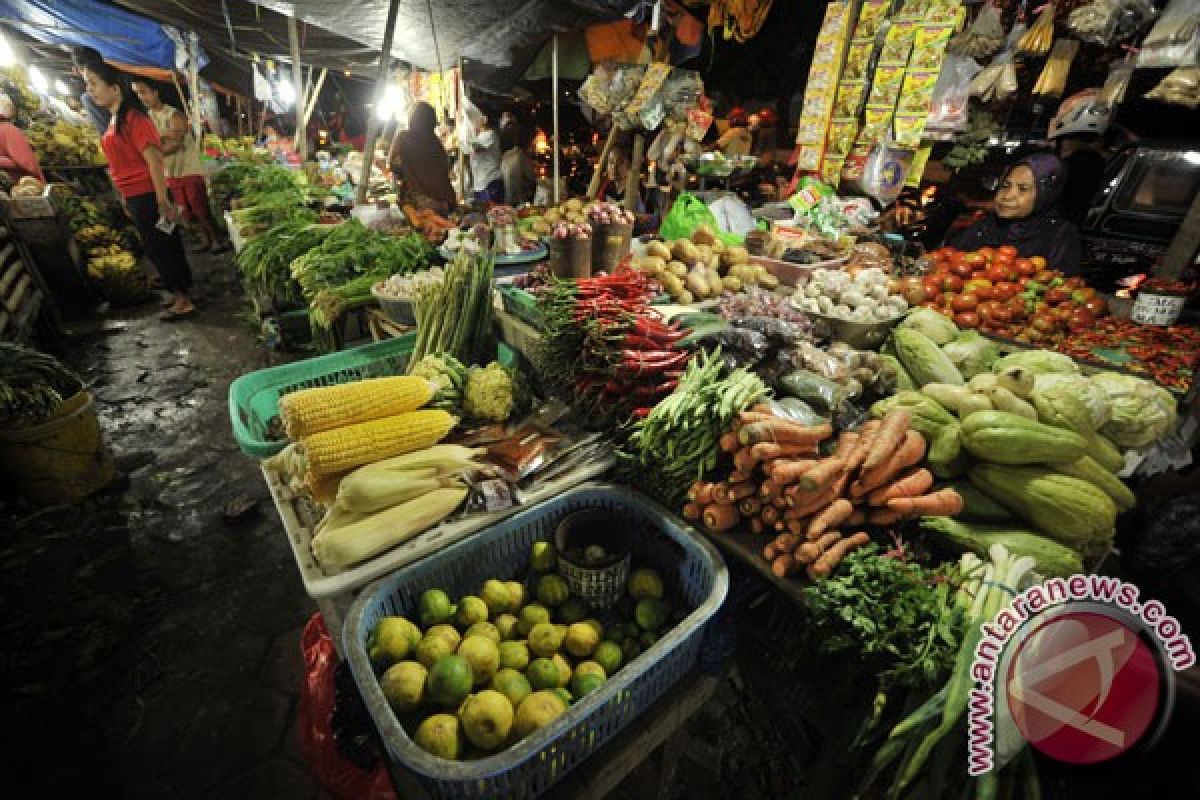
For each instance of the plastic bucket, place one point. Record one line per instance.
(610, 244)
(571, 259)
(61, 460)
(1151, 308)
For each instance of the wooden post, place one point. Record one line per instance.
(1183, 248)
(301, 138)
(594, 186)
(554, 88)
(635, 173)
(460, 118)
(311, 102)
(385, 64)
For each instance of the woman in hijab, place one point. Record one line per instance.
(420, 160)
(1026, 216)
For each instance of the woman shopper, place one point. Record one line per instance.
(1026, 216)
(135, 164)
(420, 161)
(185, 174)
(16, 155)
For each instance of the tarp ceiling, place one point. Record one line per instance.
(484, 31)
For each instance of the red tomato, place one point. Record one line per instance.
(1045, 323)
(1038, 262)
(1057, 295)
(962, 269)
(1063, 311)
(996, 273)
(988, 253)
(1081, 320)
(930, 304)
(1045, 275)
(952, 283)
(1025, 267)
(1001, 312)
(1017, 306)
(1006, 250)
(965, 302)
(1075, 282)
(1004, 290)
(966, 319)
(975, 261)
(1096, 306)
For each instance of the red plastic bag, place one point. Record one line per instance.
(336, 774)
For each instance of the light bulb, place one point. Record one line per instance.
(7, 56)
(38, 80)
(287, 92)
(60, 87)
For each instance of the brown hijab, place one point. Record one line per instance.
(422, 159)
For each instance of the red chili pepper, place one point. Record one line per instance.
(636, 342)
(640, 413)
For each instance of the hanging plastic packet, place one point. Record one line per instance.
(597, 89)
(1052, 82)
(1174, 41)
(984, 38)
(1106, 22)
(948, 108)
(1112, 93)
(999, 79)
(885, 171)
(1180, 88)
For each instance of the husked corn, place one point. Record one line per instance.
(352, 446)
(310, 411)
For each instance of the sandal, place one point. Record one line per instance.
(173, 316)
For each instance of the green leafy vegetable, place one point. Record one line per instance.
(32, 384)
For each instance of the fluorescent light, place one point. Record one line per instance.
(287, 92)
(7, 56)
(38, 80)
(392, 105)
(60, 87)
(1192, 157)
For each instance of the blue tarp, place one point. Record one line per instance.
(120, 36)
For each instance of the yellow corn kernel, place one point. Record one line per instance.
(310, 411)
(352, 446)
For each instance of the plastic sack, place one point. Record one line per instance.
(732, 214)
(885, 172)
(1174, 41)
(337, 774)
(686, 215)
(1106, 22)
(814, 390)
(796, 410)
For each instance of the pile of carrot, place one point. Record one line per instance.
(781, 485)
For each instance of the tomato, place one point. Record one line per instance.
(1004, 290)
(1017, 306)
(1081, 320)
(988, 253)
(930, 304)
(977, 283)
(1083, 295)
(1038, 262)
(975, 261)
(1024, 267)
(966, 319)
(1075, 282)
(962, 269)
(1057, 295)
(1045, 275)
(1006, 250)
(1045, 323)
(951, 283)
(932, 288)
(965, 302)
(996, 273)
(1096, 306)
(1063, 311)
(1001, 312)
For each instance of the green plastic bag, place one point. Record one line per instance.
(689, 213)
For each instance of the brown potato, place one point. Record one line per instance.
(703, 235)
(660, 249)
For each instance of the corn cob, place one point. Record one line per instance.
(310, 411)
(352, 446)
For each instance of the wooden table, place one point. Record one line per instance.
(747, 548)
(382, 328)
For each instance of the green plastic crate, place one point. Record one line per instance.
(522, 305)
(254, 398)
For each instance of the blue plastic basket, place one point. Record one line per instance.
(686, 562)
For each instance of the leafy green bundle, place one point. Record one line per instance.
(32, 384)
(265, 261)
(455, 316)
(351, 251)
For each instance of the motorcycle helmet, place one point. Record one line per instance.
(1080, 114)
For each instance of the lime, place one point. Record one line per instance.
(552, 590)
(544, 558)
(650, 614)
(608, 655)
(438, 735)
(542, 674)
(483, 656)
(564, 694)
(514, 655)
(496, 596)
(471, 609)
(581, 640)
(486, 718)
(645, 584)
(516, 594)
(531, 615)
(572, 611)
(583, 683)
(564, 669)
(434, 607)
(486, 629)
(447, 632)
(511, 684)
(404, 685)
(630, 650)
(537, 711)
(545, 639)
(647, 639)
(394, 639)
(506, 626)
(450, 680)
(432, 648)
(590, 668)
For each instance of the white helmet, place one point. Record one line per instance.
(1080, 113)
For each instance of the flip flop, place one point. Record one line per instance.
(174, 316)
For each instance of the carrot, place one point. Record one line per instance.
(888, 440)
(783, 565)
(942, 503)
(816, 503)
(786, 542)
(780, 502)
(783, 432)
(883, 516)
(737, 476)
(846, 444)
(762, 408)
(770, 515)
(769, 552)
(720, 493)
(916, 482)
(765, 451)
(834, 555)
(822, 473)
(769, 490)
(719, 517)
(728, 442)
(756, 415)
(701, 493)
(811, 551)
(911, 451)
(750, 506)
(756, 525)
(797, 526)
(857, 518)
(834, 515)
(691, 511)
(744, 460)
(740, 491)
(866, 437)
(790, 471)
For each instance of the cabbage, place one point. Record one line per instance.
(1142, 412)
(1093, 397)
(972, 353)
(1039, 362)
(932, 324)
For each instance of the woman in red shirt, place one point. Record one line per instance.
(135, 164)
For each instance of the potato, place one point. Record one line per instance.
(703, 235)
(737, 255)
(715, 284)
(574, 204)
(767, 280)
(651, 264)
(677, 268)
(704, 253)
(697, 282)
(684, 298)
(732, 283)
(660, 249)
(685, 251)
(718, 246)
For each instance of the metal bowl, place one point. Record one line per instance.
(398, 310)
(859, 335)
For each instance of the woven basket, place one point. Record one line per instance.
(600, 584)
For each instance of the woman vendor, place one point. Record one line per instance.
(1025, 216)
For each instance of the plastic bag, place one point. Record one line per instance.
(1180, 88)
(1107, 22)
(818, 392)
(686, 215)
(732, 214)
(998, 79)
(885, 172)
(984, 38)
(948, 107)
(337, 774)
(796, 410)
(1174, 41)
(1112, 93)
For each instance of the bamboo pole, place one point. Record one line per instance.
(460, 118)
(598, 175)
(311, 104)
(554, 87)
(635, 169)
(385, 64)
(301, 138)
